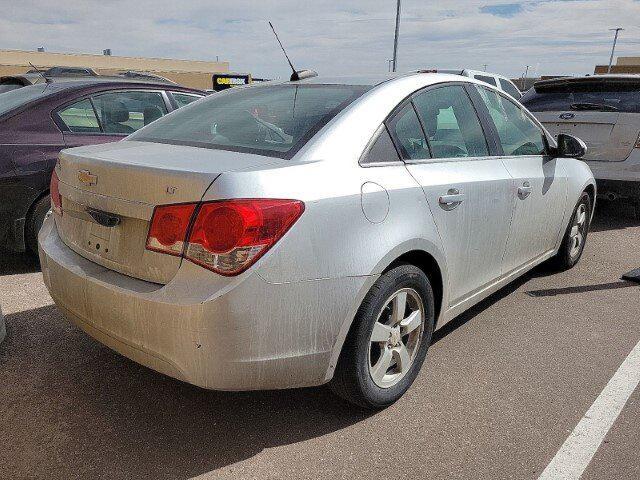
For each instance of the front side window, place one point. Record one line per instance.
(80, 117)
(126, 112)
(183, 99)
(273, 120)
(519, 135)
(409, 135)
(451, 124)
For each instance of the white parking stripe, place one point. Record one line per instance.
(578, 450)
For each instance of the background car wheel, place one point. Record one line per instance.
(388, 340)
(34, 222)
(575, 237)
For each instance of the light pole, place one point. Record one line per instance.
(485, 65)
(613, 49)
(395, 41)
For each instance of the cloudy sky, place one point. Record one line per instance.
(333, 37)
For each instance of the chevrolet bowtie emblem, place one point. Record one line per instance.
(87, 178)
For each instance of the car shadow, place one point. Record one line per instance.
(615, 215)
(467, 316)
(72, 408)
(12, 263)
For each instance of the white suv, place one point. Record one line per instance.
(493, 79)
(604, 111)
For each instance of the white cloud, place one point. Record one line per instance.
(330, 36)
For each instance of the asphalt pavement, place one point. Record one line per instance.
(503, 387)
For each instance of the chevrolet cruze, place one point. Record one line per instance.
(307, 232)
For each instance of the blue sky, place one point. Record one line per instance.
(335, 37)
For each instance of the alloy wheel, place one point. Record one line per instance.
(396, 337)
(578, 231)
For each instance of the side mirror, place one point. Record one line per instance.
(570, 146)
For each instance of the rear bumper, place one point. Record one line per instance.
(618, 189)
(245, 334)
(626, 171)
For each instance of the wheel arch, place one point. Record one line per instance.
(419, 252)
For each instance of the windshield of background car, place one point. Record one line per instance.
(18, 97)
(623, 98)
(275, 120)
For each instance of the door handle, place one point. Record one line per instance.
(452, 199)
(525, 190)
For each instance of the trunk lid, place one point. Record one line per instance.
(610, 136)
(122, 183)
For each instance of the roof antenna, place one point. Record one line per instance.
(40, 72)
(296, 75)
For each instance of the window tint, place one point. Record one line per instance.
(273, 120)
(519, 135)
(600, 98)
(80, 117)
(381, 150)
(486, 79)
(451, 123)
(183, 99)
(126, 112)
(510, 88)
(407, 130)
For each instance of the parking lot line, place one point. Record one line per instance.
(579, 448)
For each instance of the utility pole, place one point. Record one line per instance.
(395, 41)
(389, 64)
(613, 49)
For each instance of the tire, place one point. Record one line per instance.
(356, 378)
(568, 255)
(34, 222)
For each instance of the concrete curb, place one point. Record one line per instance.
(3, 329)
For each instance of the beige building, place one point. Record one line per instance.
(191, 73)
(622, 65)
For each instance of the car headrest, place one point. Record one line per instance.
(116, 112)
(151, 114)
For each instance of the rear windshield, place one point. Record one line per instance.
(20, 96)
(274, 120)
(594, 97)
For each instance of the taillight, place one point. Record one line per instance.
(54, 193)
(168, 229)
(227, 236)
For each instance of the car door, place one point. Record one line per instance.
(110, 116)
(538, 181)
(443, 143)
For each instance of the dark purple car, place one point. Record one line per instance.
(38, 121)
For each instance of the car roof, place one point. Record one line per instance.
(36, 78)
(370, 80)
(373, 80)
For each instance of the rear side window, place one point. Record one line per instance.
(183, 99)
(126, 112)
(381, 150)
(80, 117)
(510, 88)
(451, 123)
(576, 98)
(408, 132)
(519, 135)
(486, 79)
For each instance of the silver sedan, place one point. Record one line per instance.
(300, 233)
